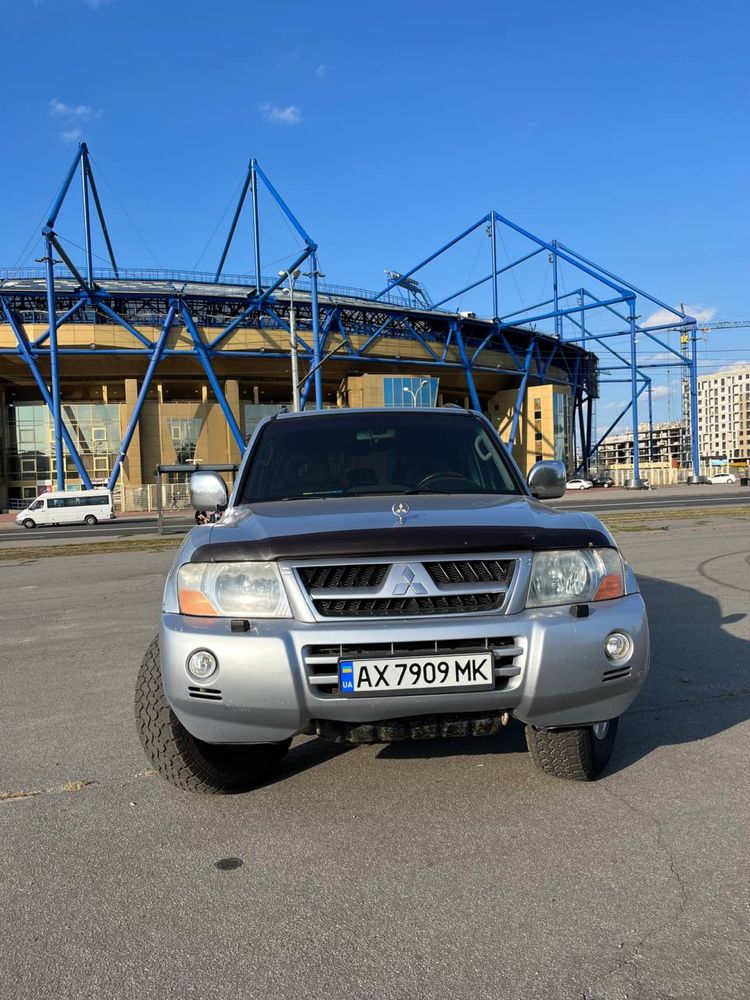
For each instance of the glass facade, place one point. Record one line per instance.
(409, 391)
(184, 432)
(94, 428)
(561, 425)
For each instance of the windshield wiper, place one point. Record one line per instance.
(303, 496)
(415, 490)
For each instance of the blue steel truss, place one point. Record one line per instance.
(211, 307)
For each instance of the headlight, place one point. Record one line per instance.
(230, 590)
(575, 576)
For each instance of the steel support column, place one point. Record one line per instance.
(256, 225)
(49, 262)
(520, 394)
(156, 357)
(694, 400)
(456, 328)
(493, 236)
(86, 223)
(589, 421)
(555, 298)
(205, 360)
(634, 389)
(582, 432)
(24, 349)
(317, 372)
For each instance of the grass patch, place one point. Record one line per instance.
(29, 552)
(659, 520)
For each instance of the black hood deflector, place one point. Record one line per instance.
(401, 541)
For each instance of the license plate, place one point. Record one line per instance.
(440, 672)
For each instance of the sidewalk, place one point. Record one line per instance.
(9, 519)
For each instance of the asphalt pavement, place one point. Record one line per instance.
(419, 871)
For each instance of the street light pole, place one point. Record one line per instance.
(415, 392)
(291, 277)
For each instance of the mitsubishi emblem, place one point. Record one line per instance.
(400, 509)
(407, 583)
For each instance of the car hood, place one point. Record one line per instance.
(359, 526)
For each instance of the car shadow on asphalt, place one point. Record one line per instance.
(698, 686)
(699, 682)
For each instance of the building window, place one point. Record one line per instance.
(406, 391)
(184, 432)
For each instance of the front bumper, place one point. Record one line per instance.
(262, 690)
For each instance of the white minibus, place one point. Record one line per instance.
(79, 507)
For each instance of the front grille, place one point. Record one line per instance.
(322, 661)
(343, 577)
(470, 571)
(407, 588)
(450, 604)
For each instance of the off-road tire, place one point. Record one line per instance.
(90, 520)
(185, 761)
(29, 523)
(576, 754)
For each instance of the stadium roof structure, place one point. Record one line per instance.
(171, 314)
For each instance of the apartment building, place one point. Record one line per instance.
(669, 444)
(724, 414)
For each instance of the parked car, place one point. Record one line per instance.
(384, 575)
(722, 478)
(68, 507)
(578, 484)
(602, 481)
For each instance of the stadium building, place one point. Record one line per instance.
(107, 373)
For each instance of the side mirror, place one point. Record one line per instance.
(547, 480)
(208, 491)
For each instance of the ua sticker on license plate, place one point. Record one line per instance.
(440, 672)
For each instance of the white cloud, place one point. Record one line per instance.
(71, 135)
(73, 112)
(320, 72)
(97, 4)
(71, 118)
(662, 316)
(290, 115)
(659, 392)
(616, 405)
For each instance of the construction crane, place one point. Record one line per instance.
(684, 345)
(734, 324)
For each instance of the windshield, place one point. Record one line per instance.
(354, 454)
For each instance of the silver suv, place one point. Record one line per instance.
(386, 575)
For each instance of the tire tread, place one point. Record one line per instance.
(570, 753)
(177, 755)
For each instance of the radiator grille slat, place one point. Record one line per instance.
(447, 587)
(449, 604)
(321, 661)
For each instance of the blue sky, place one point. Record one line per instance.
(620, 130)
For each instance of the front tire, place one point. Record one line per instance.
(90, 520)
(29, 523)
(577, 754)
(189, 763)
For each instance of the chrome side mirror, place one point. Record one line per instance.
(208, 491)
(547, 480)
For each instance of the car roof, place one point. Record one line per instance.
(308, 414)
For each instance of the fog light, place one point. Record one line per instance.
(202, 664)
(618, 646)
